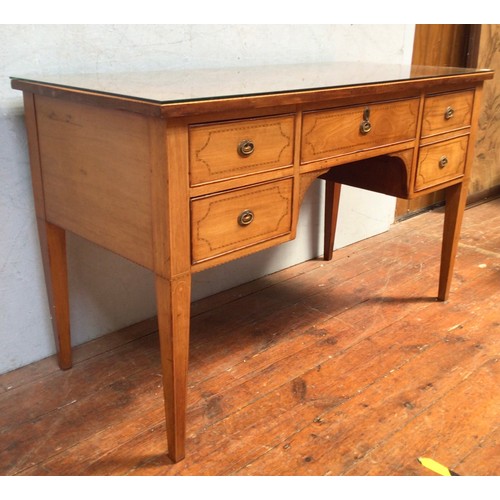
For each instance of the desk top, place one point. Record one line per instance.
(181, 86)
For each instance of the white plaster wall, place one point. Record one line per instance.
(107, 292)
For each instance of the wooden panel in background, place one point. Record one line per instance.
(485, 179)
(440, 44)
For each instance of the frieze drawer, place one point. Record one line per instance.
(340, 131)
(227, 150)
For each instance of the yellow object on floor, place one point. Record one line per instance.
(436, 467)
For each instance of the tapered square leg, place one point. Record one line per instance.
(53, 246)
(332, 199)
(455, 198)
(173, 299)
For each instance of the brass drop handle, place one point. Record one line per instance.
(246, 147)
(449, 113)
(443, 161)
(245, 218)
(365, 126)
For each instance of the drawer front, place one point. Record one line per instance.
(240, 218)
(441, 162)
(446, 112)
(342, 131)
(232, 149)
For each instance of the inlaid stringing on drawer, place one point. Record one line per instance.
(240, 218)
(340, 131)
(226, 150)
(445, 112)
(441, 162)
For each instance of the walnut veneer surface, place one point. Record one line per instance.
(179, 171)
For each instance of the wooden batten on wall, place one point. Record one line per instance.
(485, 181)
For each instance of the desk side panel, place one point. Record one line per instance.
(96, 175)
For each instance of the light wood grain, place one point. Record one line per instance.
(214, 148)
(431, 171)
(337, 132)
(173, 298)
(170, 217)
(170, 197)
(435, 120)
(215, 219)
(52, 245)
(96, 175)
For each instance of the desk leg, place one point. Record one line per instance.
(173, 298)
(53, 246)
(332, 198)
(455, 197)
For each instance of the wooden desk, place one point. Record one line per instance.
(183, 170)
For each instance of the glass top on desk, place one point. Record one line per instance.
(185, 85)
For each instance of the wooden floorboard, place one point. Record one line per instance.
(349, 367)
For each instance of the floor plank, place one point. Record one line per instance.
(349, 367)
